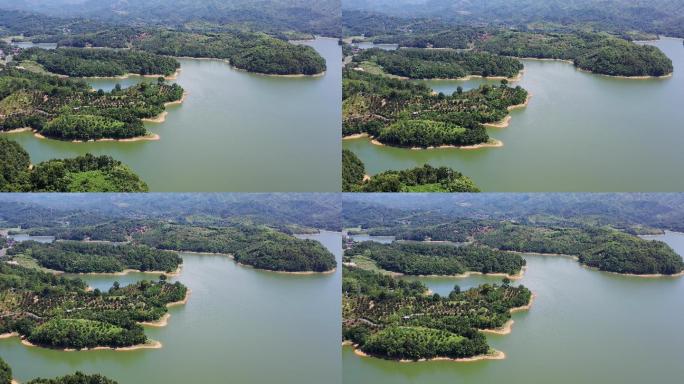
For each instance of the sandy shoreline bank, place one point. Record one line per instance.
(507, 328)
(495, 355)
(149, 137)
(355, 136)
(287, 272)
(667, 76)
(151, 344)
(493, 143)
(507, 120)
(160, 118)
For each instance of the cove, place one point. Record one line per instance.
(240, 325)
(584, 326)
(236, 131)
(580, 132)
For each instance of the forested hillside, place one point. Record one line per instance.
(395, 319)
(66, 109)
(57, 312)
(652, 16)
(406, 114)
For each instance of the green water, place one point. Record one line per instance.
(240, 326)
(236, 132)
(581, 132)
(584, 327)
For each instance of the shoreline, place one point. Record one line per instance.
(643, 77)
(576, 258)
(507, 328)
(355, 136)
(492, 143)
(506, 121)
(150, 344)
(303, 273)
(513, 79)
(127, 271)
(495, 355)
(160, 118)
(464, 275)
(173, 76)
(148, 137)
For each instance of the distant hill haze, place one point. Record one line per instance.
(320, 16)
(654, 16)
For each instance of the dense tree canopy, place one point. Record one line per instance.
(353, 171)
(59, 312)
(100, 62)
(249, 51)
(14, 166)
(598, 53)
(86, 173)
(605, 249)
(81, 257)
(429, 64)
(77, 378)
(419, 179)
(395, 319)
(66, 109)
(5, 372)
(418, 258)
(259, 247)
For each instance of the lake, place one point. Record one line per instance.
(585, 326)
(581, 132)
(237, 132)
(240, 325)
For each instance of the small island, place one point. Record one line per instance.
(63, 314)
(66, 109)
(419, 179)
(395, 319)
(406, 114)
(85, 173)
